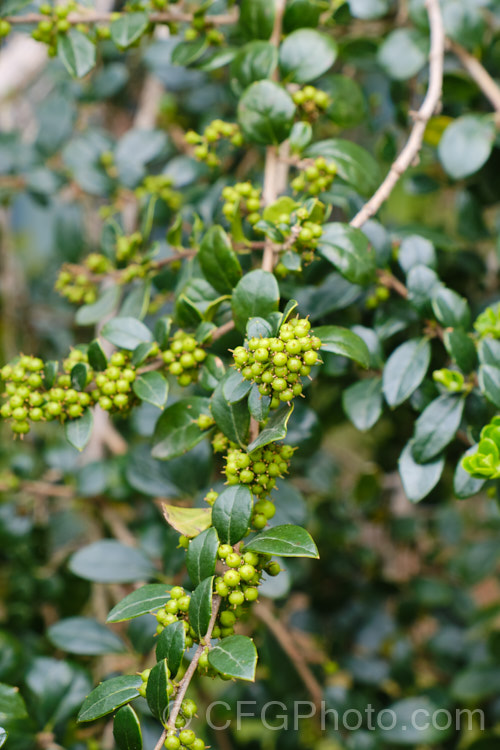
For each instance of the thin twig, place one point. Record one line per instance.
(478, 73)
(223, 19)
(411, 150)
(282, 635)
(387, 279)
(184, 683)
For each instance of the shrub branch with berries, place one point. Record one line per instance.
(234, 270)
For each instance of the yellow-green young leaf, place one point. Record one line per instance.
(306, 54)
(76, 52)
(256, 295)
(128, 28)
(202, 555)
(218, 260)
(151, 387)
(275, 429)
(341, 341)
(235, 656)
(176, 431)
(418, 479)
(200, 607)
(187, 521)
(78, 431)
(156, 691)
(285, 541)
(266, 112)
(127, 729)
(231, 513)
(171, 644)
(146, 599)
(109, 695)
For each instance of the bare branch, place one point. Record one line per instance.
(93, 17)
(412, 148)
(478, 73)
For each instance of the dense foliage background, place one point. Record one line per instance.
(401, 610)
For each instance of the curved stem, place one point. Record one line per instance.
(412, 148)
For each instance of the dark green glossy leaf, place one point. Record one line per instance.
(235, 656)
(109, 695)
(128, 28)
(285, 541)
(348, 250)
(171, 644)
(466, 145)
(156, 691)
(406, 730)
(109, 561)
(451, 309)
(266, 112)
(489, 382)
(106, 305)
(275, 429)
(254, 61)
(464, 485)
(85, 636)
(218, 261)
(256, 18)
(437, 426)
(403, 53)
(202, 555)
(79, 376)
(176, 431)
(341, 341)
(12, 705)
(415, 251)
(235, 388)
(77, 52)
(461, 349)
(300, 13)
(146, 599)
(151, 387)
(126, 333)
(231, 513)
(354, 164)
(97, 359)
(258, 405)
(405, 369)
(127, 729)
(78, 431)
(200, 607)
(232, 419)
(418, 479)
(212, 371)
(362, 403)
(306, 54)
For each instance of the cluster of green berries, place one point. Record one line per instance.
(27, 399)
(198, 26)
(5, 28)
(242, 198)
(238, 584)
(380, 294)
(186, 739)
(316, 177)
(184, 357)
(76, 285)
(205, 144)
(127, 246)
(113, 386)
(277, 363)
(160, 185)
(311, 100)
(55, 23)
(488, 322)
(259, 469)
(176, 609)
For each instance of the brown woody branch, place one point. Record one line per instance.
(93, 17)
(412, 148)
(478, 73)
